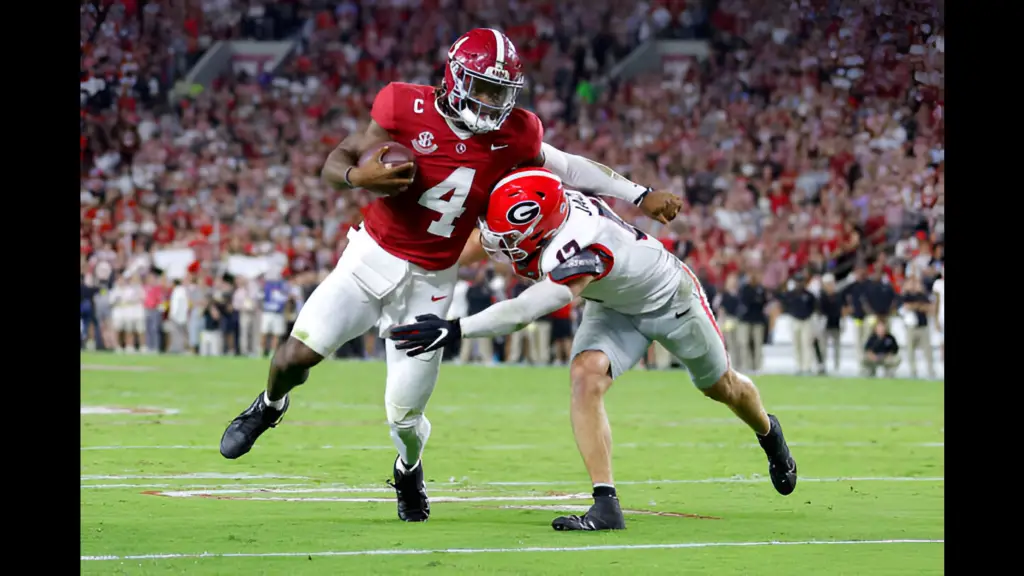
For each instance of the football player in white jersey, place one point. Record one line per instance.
(636, 292)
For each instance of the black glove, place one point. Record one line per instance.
(428, 334)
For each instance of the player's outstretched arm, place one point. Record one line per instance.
(514, 314)
(586, 175)
(430, 332)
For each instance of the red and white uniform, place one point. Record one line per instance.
(429, 224)
(402, 261)
(639, 292)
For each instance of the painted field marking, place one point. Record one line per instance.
(188, 486)
(566, 508)
(400, 552)
(732, 480)
(115, 368)
(132, 410)
(433, 499)
(149, 448)
(191, 476)
(525, 447)
(278, 490)
(467, 486)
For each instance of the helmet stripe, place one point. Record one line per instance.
(526, 173)
(499, 39)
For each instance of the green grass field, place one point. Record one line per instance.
(311, 498)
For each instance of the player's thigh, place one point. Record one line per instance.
(411, 380)
(611, 333)
(337, 311)
(423, 292)
(695, 339)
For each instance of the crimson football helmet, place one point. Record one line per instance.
(482, 80)
(525, 210)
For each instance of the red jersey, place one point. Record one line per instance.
(429, 224)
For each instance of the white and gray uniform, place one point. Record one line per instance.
(641, 293)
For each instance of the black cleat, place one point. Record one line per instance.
(781, 466)
(248, 426)
(413, 504)
(605, 514)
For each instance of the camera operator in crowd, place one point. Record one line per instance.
(881, 351)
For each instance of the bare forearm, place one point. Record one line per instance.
(338, 163)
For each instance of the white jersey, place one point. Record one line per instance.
(639, 274)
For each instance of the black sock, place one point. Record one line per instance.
(604, 490)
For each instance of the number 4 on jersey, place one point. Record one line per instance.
(458, 183)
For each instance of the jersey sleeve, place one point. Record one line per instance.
(531, 136)
(586, 263)
(384, 107)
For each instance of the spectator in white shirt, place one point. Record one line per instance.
(245, 301)
(178, 316)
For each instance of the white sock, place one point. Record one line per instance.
(276, 405)
(410, 436)
(403, 469)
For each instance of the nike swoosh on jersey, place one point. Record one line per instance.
(437, 298)
(493, 147)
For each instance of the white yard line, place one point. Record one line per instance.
(468, 486)
(433, 499)
(149, 448)
(401, 552)
(526, 447)
(733, 480)
(279, 490)
(191, 476)
(190, 486)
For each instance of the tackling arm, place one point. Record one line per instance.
(586, 175)
(507, 316)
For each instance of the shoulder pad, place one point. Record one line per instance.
(586, 263)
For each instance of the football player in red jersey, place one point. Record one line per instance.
(402, 260)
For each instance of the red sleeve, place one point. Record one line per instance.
(383, 112)
(532, 136)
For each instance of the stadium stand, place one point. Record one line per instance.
(804, 136)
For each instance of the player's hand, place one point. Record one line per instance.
(429, 333)
(661, 205)
(379, 176)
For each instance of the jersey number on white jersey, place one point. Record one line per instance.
(570, 249)
(459, 184)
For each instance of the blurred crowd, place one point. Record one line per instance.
(808, 144)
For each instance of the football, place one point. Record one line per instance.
(396, 155)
